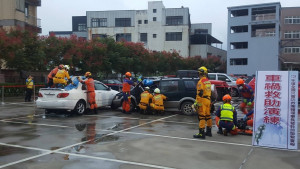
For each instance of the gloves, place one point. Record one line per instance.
(245, 100)
(245, 118)
(193, 107)
(249, 103)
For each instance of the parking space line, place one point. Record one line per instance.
(167, 121)
(115, 160)
(38, 124)
(245, 160)
(60, 149)
(47, 152)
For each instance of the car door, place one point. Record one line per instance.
(102, 95)
(170, 88)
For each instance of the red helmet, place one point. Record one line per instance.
(226, 97)
(128, 74)
(240, 81)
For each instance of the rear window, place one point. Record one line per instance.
(190, 85)
(169, 86)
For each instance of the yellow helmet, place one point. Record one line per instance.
(202, 70)
(88, 74)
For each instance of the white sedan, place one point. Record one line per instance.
(74, 99)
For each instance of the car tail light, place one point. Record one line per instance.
(40, 95)
(62, 95)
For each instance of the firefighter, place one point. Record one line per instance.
(146, 97)
(89, 82)
(226, 117)
(52, 74)
(59, 79)
(157, 104)
(29, 88)
(127, 83)
(247, 93)
(202, 104)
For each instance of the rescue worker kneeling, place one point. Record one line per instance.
(146, 97)
(59, 79)
(158, 102)
(226, 117)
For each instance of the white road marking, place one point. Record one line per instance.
(57, 150)
(25, 147)
(38, 124)
(245, 160)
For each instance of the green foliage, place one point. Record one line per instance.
(24, 50)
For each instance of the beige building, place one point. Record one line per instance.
(290, 37)
(21, 13)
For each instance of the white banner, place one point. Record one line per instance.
(276, 109)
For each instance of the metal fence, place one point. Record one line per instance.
(17, 90)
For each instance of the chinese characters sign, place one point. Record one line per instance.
(276, 106)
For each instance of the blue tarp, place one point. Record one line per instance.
(75, 83)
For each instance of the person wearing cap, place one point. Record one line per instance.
(226, 117)
(202, 104)
(90, 85)
(146, 97)
(158, 102)
(127, 83)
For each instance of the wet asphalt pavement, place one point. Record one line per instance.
(110, 140)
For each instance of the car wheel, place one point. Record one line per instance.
(80, 107)
(234, 92)
(186, 108)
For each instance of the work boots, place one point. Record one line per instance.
(220, 131)
(225, 132)
(208, 132)
(201, 134)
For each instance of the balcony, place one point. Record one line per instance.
(34, 23)
(263, 17)
(34, 2)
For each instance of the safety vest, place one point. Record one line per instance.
(29, 83)
(126, 85)
(61, 74)
(227, 112)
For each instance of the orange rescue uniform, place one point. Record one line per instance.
(145, 98)
(158, 102)
(203, 102)
(90, 92)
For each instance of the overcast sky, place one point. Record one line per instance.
(57, 15)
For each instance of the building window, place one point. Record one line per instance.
(139, 21)
(239, 61)
(154, 35)
(98, 36)
(154, 18)
(292, 35)
(145, 21)
(81, 27)
(241, 12)
(239, 45)
(98, 22)
(239, 29)
(154, 10)
(26, 9)
(201, 31)
(20, 5)
(123, 37)
(143, 37)
(174, 20)
(174, 36)
(264, 30)
(292, 20)
(123, 22)
(292, 50)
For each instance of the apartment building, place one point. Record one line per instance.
(253, 38)
(20, 13)
(290, 38)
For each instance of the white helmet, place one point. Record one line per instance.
(67, 67)
(157, 90)
(147, 88)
